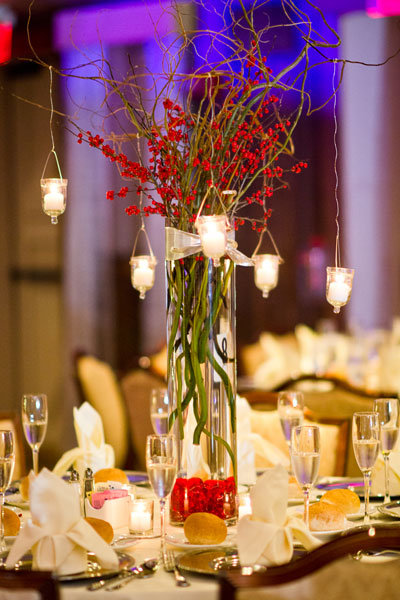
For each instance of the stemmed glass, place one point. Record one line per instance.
(291, 412)
(34, 421)
(159, 410)
(161, 463)
(387, 410)
(305, 456)
(365, 434)
(7, 460)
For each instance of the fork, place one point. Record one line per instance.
(170, 565)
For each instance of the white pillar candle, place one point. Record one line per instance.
(143, 276)
(213, 243)
(141, 520)
(266, 273)
(53, 201)
(338, 291)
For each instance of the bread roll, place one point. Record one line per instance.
(104, 475)
(103, 528)
(345, 500)
(204, 528)
(12, 522)
(24, 488)
(326, 517)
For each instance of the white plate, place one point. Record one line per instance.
(16, 500)
(328, 535)
(179, 541)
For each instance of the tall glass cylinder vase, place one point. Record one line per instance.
(202, 382)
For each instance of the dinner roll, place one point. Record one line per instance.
(204, 528)
(103, 528)
(346, 500)
(104, 475)
(11, 522)
(24, 488)
(326, 517)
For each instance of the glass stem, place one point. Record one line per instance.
(306, 507)
(367, 481)
(162, 521)
(35, 457)
(2, 543)
(386, 463)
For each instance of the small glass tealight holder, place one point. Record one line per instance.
(266, 272)
(142, 273)
(54, 196)
(213, 236)
(339, 283)
(244, 505)
(142, 517)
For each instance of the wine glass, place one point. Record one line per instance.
(387, 410)
(7, 460)
(291, 412)
(365, 434)
(159, 410)
(162, 463)
(34, 421)
(305, 456)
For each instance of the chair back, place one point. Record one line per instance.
(28, 585)
(100, 387)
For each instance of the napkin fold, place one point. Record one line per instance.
(266, 536)
(92, 451)
(57, 535)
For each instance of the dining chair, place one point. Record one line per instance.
(331, 571)
(12, 421)
(28, 585)
(334, 430)
(98, 385)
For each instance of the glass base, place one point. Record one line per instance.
(215, 496)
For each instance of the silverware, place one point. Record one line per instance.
(170, 565)
(129, 572)
(361, 553)
(146, 569)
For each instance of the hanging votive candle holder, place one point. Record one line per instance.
(142, 273)
(54, 197)
(213, 236)
(266, 272)
(339, 283)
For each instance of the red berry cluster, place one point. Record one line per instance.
(214, 496)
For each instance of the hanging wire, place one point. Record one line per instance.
(281, 261)
(337, 243)
(53, 149)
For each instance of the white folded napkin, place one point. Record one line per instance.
(378, 475)
(91, 451)
(266, 536)
(57, 535)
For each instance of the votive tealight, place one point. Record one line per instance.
(142, 517)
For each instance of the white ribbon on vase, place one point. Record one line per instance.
(180, 243)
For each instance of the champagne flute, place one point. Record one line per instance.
(365, 434)
(34, 421)
(387, 410)
(159, 410)
(291, 412)
(162, 463)
(305, 456)
(7, 460)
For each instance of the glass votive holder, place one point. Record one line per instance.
(213, 236)
(54, 196)
(266, 271)
(142, 273)
(244, 505)
(339, 284)
(142, 517)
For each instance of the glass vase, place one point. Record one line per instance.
(202, 383)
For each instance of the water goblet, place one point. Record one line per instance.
(162, 464)
(7, 460)
(305, 457)
(159, 410)
(291, 412)
(387, 410)
(34, 421)
(365, 433)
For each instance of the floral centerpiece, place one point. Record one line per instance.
(219, 142)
